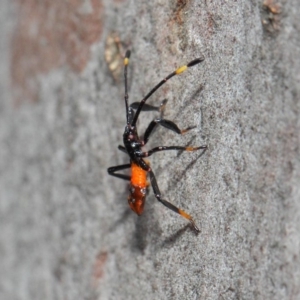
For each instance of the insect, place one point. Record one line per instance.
(133, 144)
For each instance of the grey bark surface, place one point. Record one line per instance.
(66, 229)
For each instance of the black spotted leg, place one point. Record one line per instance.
(112, 171)
(169, 205)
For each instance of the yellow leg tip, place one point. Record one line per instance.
(190, 149)
(181, 69)
(184, 214)
(126, 61)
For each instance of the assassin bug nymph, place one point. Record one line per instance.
(133, 144)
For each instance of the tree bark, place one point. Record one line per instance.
(66, 229)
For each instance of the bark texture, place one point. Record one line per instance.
(66, 229)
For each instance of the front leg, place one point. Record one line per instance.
(165, 123)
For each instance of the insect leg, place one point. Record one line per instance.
(112, 171)
(168, 204)
(122, 148)
(165, 123)
(165, 148)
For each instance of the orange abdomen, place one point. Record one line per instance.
(138, 176)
